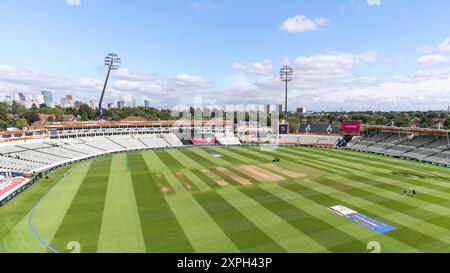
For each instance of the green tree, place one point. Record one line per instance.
(21, 123)
(15, 107)
(30, 117)
(34, 108)
(402, 120)
(447, 123)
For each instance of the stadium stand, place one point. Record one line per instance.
(35, 156)
(306, 139)
(422, 147)
(227, 139)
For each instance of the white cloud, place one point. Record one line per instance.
(433, 59)
(321, 82)
(164, 92)
(125, 74)
(203, 5)
(374, 3)
(301, 23)
(254, 68)
(331, 66)
(443, 47)
(73, 2)
(187, 80)
(123, 85)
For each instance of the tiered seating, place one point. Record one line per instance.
(306, 139)
(127, 141)
(227, 139)
(10, 149)
(102, 143)
(153, 141)
(441, 157)
(173, 140)
(428, 148)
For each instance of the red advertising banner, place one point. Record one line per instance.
(351, 126)
(204, 140)
(11, 184)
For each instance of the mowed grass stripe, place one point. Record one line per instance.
(283, 233)
(187, 183)
(189, 164)
(160, 228)
(83, 220)
(202, 231)
(15, 210)
(206, 179)
(381, 162)
(396, 205)
(169, 160)
(228, 157)
(242, 174)
(371, 186)
(305, 222)
(306, 193)
(162, 183)
(359, 232)
(386, 179)
(233, 158)
(439, 195)
(15, 235)
(198, 158)
(389, 161)
(121, 228)
(184, 160)
(295, 161)
(243, 233)
(156, 166)
(247, 153)
(199, 183)
(216, 161)
(404, 234)
(420, 200)
(346, 170)
(48, 216)
(225, 177)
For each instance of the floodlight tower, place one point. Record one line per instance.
(112, 62)
(286, 75)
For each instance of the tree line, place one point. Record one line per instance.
(15, 115)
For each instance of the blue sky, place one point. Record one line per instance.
(356, 54)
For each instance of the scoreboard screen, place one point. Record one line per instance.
(283, 129)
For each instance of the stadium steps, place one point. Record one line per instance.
(386, 136)
(432, 155)
(95, 147)
(47, 153)
(143, 143)
(115, 142)
(72, 150)
(166, 141)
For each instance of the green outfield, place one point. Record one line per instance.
(187, 200)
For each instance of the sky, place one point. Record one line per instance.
(350, 54)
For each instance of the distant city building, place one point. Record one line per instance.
(65, 103)
(268, 108)
(301, 110)
(120, 104)
(78, 104)
(110, 105)
(146, 103)
(22, 97)
(92, 104)
(69, 97)
(48, 98)
(9, 99)
(134, 102)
